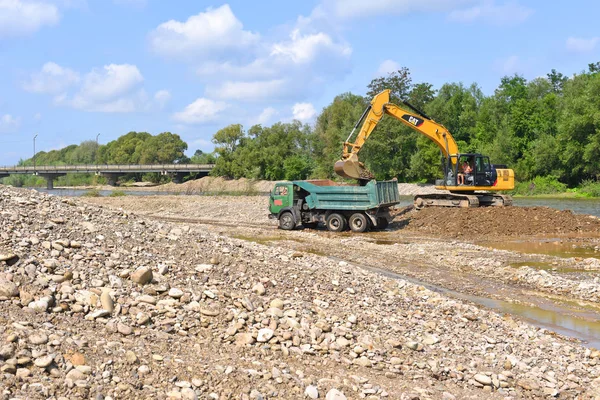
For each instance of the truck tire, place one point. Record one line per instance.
(358, 222)
(286, 221)
(336, 222)
(382, 223)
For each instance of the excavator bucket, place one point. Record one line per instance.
(351, 168)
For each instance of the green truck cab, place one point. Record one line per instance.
(339, 207)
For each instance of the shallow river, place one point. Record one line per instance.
(579, 206)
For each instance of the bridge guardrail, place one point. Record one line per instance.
(108, 168)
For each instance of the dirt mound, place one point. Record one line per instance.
(474, 223)
(209, 184)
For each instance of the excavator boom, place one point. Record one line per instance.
(350, 167)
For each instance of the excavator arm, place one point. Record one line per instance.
(350, 167)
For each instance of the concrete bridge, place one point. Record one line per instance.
(111, 172)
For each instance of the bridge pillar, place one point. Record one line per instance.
(50, 179)
(111, 177)
(178, 176)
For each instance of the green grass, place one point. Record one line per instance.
(117, 193)
(92, 193)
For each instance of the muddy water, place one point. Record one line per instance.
(565, 319)
(556, 248)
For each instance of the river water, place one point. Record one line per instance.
(578, 206)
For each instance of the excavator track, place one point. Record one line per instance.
(461, 200)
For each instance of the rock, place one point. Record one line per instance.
(242, 339)
(131, 357)
(75, 375)
(8, 257)
(264, 335)
(483, 379)
(141, 276)
(99, 313)
(209, 312)
(188, 394)
(76, 359)
(107, 301)
(23, 373)
(8, 289)
(412, 345)
(7, 351)
(44, 361)
(430, 340)
(124, 329)
(363, 362)
(335, 394)
(259, 289)
(175, 293)
(39, 306)
(276, 303)
(38, 338)
(311, 392)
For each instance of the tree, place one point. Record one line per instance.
(399, 82)
(557, 80)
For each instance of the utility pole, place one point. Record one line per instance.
(97, 149)
(36, 135)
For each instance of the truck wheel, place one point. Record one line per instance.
(358, 222)
(286, 221)
(336, 222)
(382, 223)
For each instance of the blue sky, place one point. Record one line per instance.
(74, 68)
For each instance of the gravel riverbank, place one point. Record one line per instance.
(103, 303)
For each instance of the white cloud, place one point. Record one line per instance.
(303, 111)
(52, 79)
(200, 111)
(162, 97)
(112, 88)
(510, 65)
(265, 116)
(302, 49)
(508, 13)
(215, 31)
(582, 45)
(111, 81)
(37, 116)
(292, 68)
(8, 123)
(248, 91)
(387, 67)
(19, 17)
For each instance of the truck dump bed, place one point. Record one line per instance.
(333, 197)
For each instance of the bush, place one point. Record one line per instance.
(590, 188)
(92, 193)
(540, 185)
(117, 193)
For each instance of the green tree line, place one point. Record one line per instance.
(546, 129)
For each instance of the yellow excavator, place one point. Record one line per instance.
(469, 178)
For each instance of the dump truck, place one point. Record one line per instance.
(339, 207)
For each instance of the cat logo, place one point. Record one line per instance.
(411, 119)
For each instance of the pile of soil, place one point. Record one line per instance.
(497, 221)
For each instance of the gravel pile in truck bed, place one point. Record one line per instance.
(96, 303)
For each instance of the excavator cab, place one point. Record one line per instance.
(481, 173)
